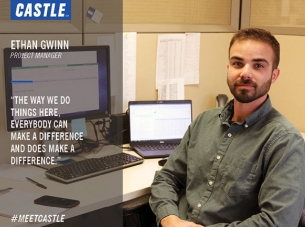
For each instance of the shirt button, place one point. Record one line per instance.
(246, 126)
(229, 135)
(211, 183)
(199, 205)
(218, 157)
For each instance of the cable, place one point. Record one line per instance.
(85, 145)
(104, 130)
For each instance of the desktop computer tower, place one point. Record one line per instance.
(119, 129)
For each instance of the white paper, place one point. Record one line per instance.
(18, 173)
(172, 89)
(129, 67)
(97, 16)
(94, 15)
(170, 57)
(178, 57)
(122, 44)
(191, 62)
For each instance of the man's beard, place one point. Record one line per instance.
(248, 95)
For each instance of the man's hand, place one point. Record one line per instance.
(174, 221)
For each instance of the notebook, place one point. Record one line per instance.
(157, 127)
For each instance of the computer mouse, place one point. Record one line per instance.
(162, 161)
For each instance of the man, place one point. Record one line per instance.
(240, 165)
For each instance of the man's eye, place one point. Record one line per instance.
(239, 64)
(259, 66)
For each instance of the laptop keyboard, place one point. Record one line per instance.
(80, 170)
(156, 147)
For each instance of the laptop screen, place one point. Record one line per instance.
(159, 120)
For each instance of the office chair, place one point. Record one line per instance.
(137, 213)
(302, 220)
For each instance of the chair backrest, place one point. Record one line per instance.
(302, 220)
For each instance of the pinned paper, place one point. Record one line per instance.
(79, 125)
(94, 14)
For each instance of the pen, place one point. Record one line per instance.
(5, 190)
(35, 182)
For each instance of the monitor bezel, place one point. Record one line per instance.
(88, 115)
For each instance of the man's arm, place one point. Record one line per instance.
(169, 181)
(281, 196)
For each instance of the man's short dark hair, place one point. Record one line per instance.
(262, 35)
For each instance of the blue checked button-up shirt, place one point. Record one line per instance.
(240, 174)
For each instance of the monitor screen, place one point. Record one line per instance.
(54, 84)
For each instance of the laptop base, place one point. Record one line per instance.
(153, 154)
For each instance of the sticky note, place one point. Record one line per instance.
(64, 160)
(79, 125)
(94, 14)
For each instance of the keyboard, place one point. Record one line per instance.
(152, 147)
(83, 169)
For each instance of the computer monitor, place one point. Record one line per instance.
(78, 77)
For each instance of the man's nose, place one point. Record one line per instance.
(246, 72)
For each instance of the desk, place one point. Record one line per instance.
(94, 193)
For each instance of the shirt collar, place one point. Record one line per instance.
(228, 110)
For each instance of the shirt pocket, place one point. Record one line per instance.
(237, 176)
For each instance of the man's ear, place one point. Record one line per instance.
(275, 75)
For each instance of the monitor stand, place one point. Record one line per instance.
(77, 149)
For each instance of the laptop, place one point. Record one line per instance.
(157, 127)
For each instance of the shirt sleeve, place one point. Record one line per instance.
(169, 181)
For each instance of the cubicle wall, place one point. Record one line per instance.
(215, 21)
(280, 17)
(286, 19)
(165, 16)
(213, 60)
(289, 90)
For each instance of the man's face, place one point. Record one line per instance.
(250, 70)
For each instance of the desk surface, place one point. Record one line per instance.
(93, 193)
